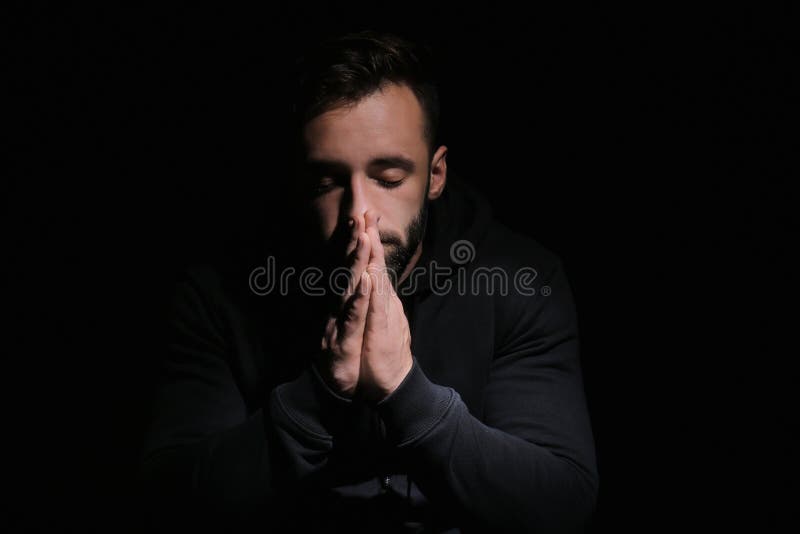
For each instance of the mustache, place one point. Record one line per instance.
(391, 239)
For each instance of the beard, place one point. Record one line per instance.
(397, 254)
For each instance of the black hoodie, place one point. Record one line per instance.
(488, 432)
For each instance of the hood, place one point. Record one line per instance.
(457, 223)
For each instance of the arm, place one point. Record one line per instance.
(206, 449)
(529, 465)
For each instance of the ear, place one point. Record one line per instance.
(438, 177)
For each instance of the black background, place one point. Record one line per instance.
(649, 148)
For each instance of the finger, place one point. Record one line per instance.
(376, 253)
(377, 316)
(351, 225)
(328, 335)
(356, 224)
(355, 316)
(359, 264)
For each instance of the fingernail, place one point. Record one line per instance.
(351, 222)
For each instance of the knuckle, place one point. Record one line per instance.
(349, 314)
(350, 347)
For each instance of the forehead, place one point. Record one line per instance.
(390, 119)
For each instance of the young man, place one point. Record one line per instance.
(438, 390)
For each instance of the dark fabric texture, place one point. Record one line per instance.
(488, 432)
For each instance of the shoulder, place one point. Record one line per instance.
(513, 252)
(538, 302)
(208, 295)
(193, 304)
(222, 283)
(198, 285)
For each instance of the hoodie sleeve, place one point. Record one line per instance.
(528, 465)
(209, 455)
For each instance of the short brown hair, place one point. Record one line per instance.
(347, 68)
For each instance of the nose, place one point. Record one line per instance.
(355, 200)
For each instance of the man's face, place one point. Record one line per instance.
(371, 155)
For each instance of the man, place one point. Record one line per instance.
(438, 389)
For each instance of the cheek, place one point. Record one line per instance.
(399, 210)
(326, 211)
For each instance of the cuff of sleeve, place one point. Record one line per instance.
(312, 405)
(414, 408)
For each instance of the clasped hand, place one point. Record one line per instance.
(366, 346)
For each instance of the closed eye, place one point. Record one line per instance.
(389, 184)
(326, 183)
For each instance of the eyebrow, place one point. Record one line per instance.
(376, 164)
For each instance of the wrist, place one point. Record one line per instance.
(415, 407)
(376, 393)
(327, 379)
